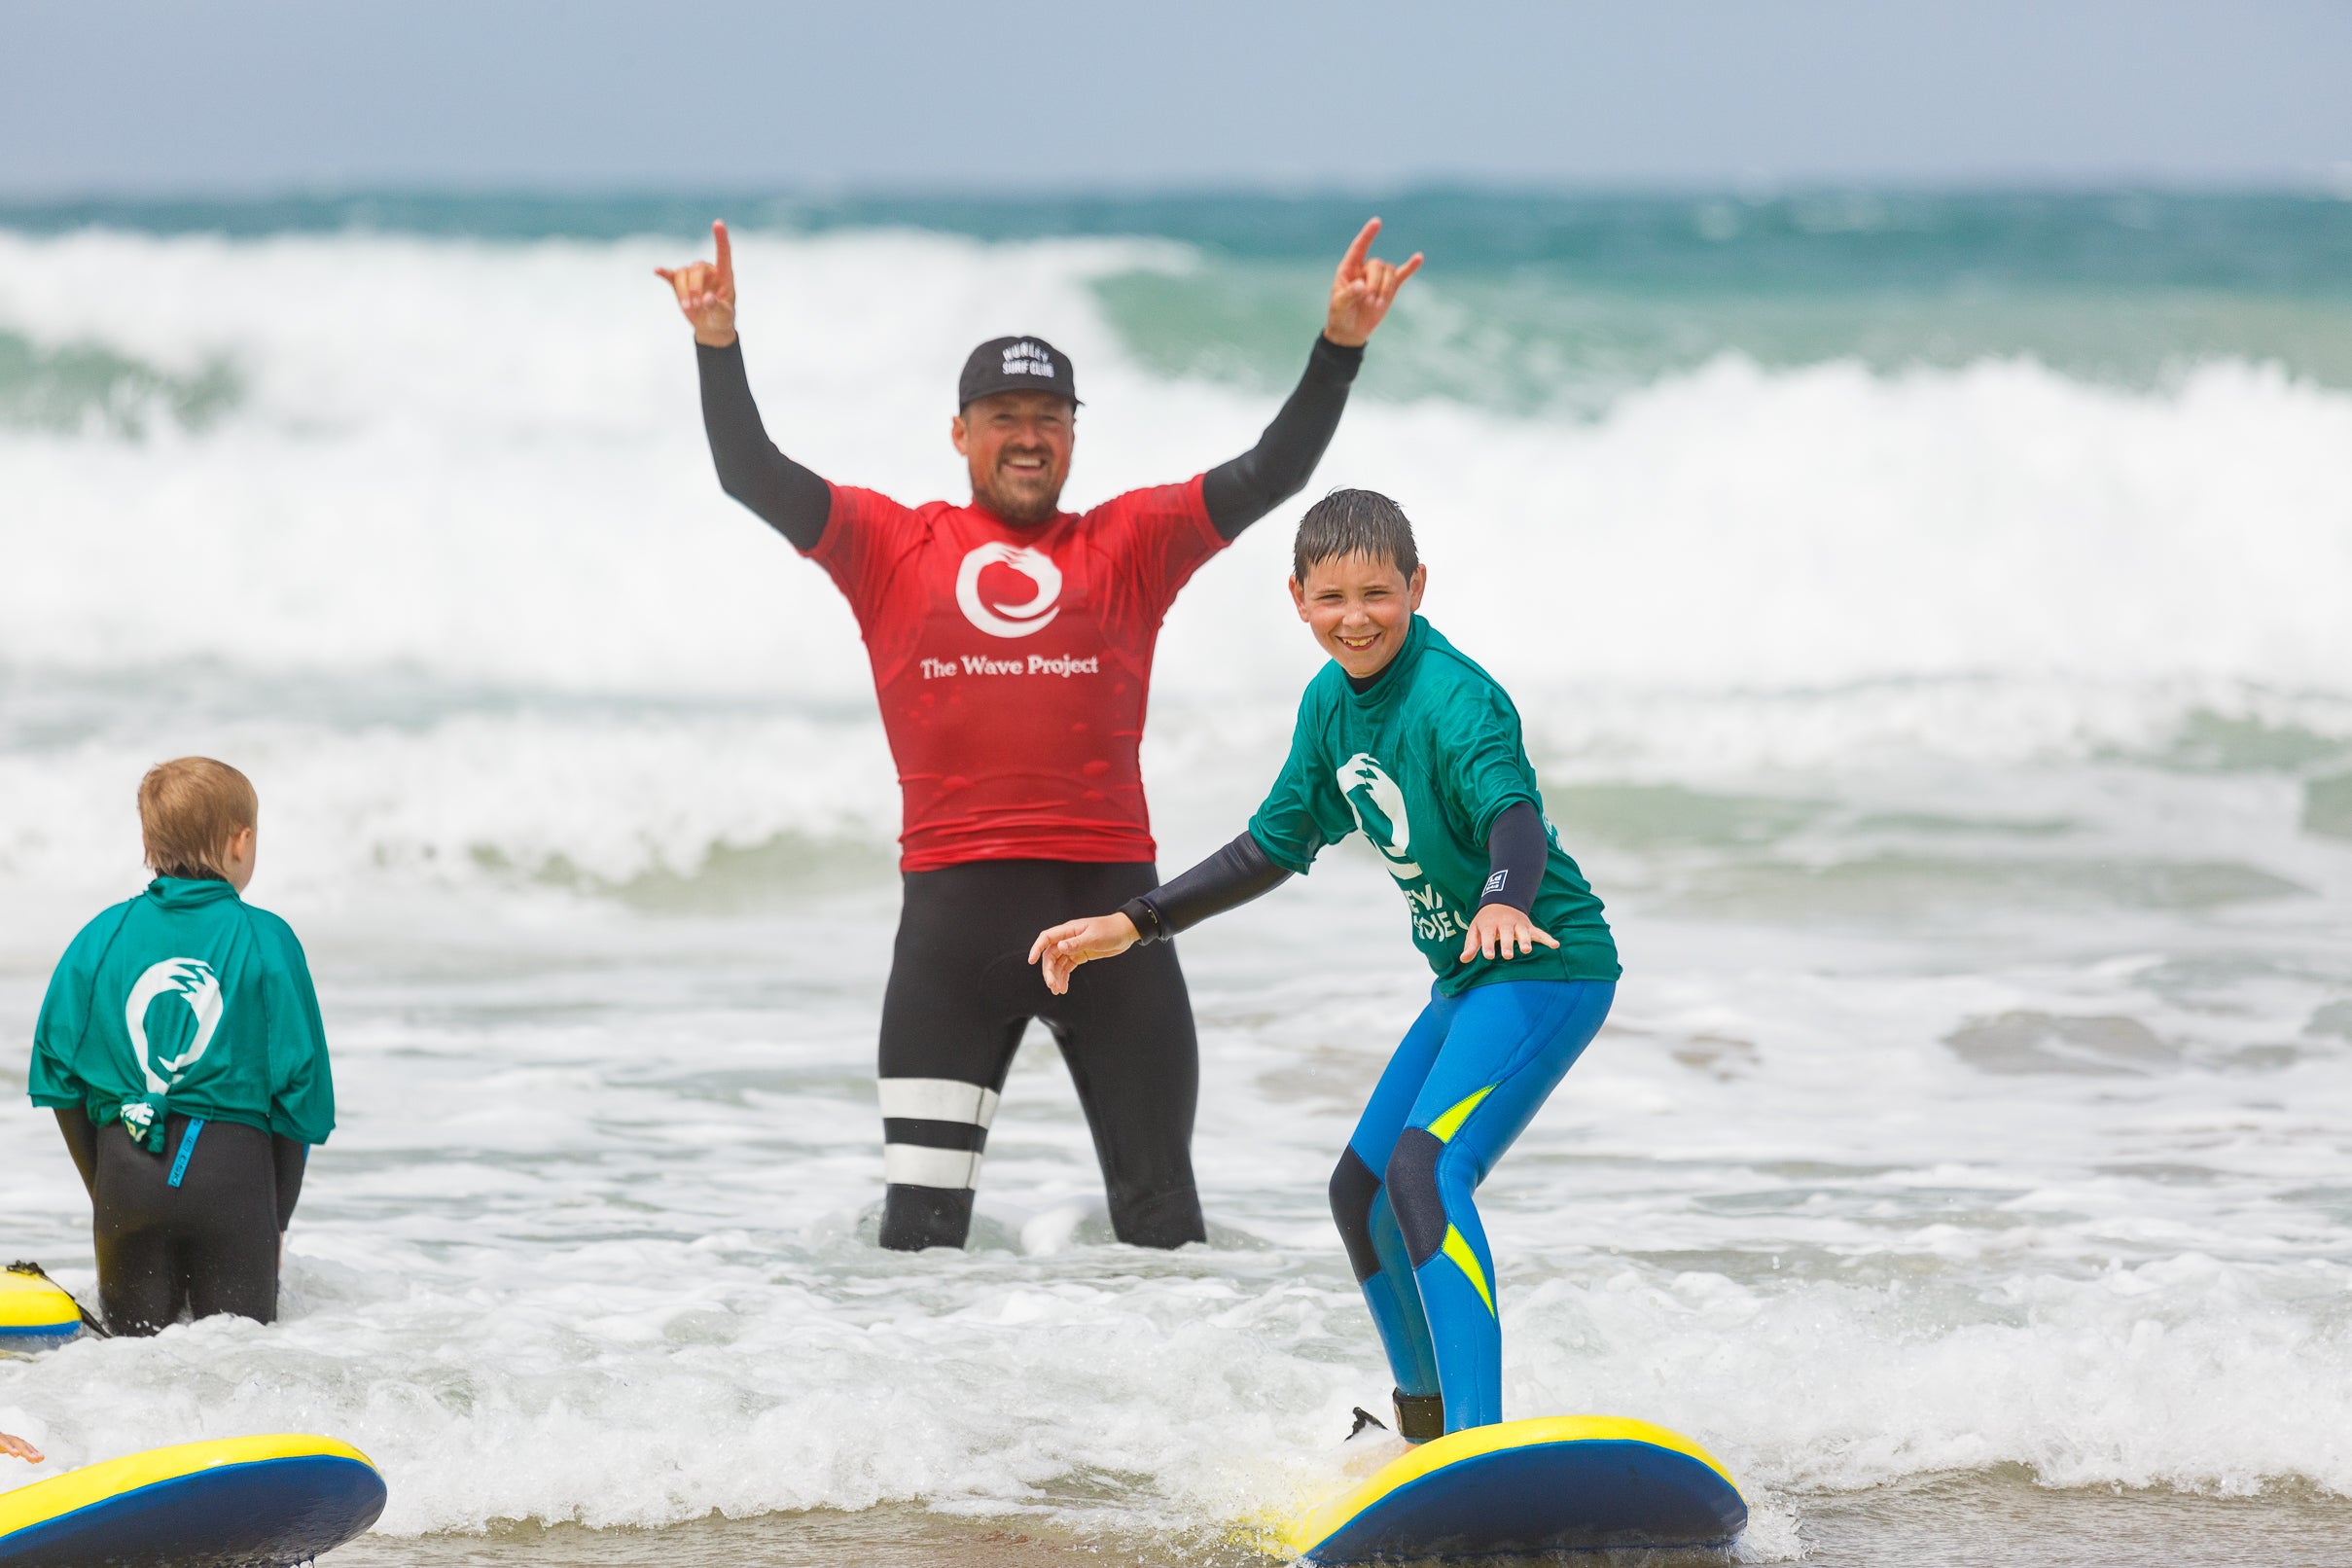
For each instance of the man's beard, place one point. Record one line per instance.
(1022, 506)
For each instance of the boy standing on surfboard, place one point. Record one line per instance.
(1404, 739)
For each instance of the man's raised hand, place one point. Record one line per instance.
(706, 292)
(1362, 290)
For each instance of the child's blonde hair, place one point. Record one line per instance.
(190, 808)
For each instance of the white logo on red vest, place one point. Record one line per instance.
(1009, 620)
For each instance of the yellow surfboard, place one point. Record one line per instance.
(266, 1502)
(34, 1314)
(1561, 1482)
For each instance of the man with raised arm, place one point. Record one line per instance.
(1011, 649)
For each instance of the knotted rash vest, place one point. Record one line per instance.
(186, 999)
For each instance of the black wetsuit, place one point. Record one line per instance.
(961, 988)
(209, 1244)
(961, 992)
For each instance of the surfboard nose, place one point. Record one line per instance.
(260, 1502)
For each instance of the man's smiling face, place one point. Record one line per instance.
(1360, 608)
(1017, 446)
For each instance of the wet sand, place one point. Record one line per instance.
(1986, 1519)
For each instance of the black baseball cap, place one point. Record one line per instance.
(1016, 365)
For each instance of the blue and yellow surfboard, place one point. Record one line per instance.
(248, 1502)
(1563, 1482)
(34, 1314)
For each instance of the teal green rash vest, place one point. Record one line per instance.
(1421, 764)
(186, 999)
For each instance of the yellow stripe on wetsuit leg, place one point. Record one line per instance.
(1467, 1262)
(1445, 1127)
(1454, 1246)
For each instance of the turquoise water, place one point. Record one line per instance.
(1551, 302)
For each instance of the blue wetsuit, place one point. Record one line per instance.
(1467, 1079)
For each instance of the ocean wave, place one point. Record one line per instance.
(85, 386)
(484, 464)
(1857, 804)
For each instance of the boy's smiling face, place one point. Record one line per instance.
(1360, 607)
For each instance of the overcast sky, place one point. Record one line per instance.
(103, 95)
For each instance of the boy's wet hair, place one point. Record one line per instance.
(1354, 523)
(189, 810)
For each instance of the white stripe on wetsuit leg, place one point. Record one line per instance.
(908, 1165)
(938, 1099)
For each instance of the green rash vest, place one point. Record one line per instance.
(1421, 764)
(186, 999)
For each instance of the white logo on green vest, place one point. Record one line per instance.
(195, 983)
(1379, 808)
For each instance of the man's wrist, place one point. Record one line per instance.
(728, 341)
(1335, 358)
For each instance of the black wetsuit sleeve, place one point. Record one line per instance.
(1240, 492)
(292, 1156)
(788, 497)
(82, 1142)
(1515, 850)
(1227, 879)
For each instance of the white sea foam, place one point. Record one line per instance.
(1940, 739)
(590, 1247)
(483, 461)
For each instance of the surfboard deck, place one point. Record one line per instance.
(227, 1503)
(1558, 1483)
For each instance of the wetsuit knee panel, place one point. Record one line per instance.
(1354, 1187)
(1412, 1192)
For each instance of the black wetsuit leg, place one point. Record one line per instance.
(961, 993)
(944, 1052)
(209, 1244)
(1125, 1031)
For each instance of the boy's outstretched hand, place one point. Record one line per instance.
(1497, 930)
(20, 1448)
(1073, 943)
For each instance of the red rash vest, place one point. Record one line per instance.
(1013, 664)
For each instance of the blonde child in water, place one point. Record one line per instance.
(181, 1047)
